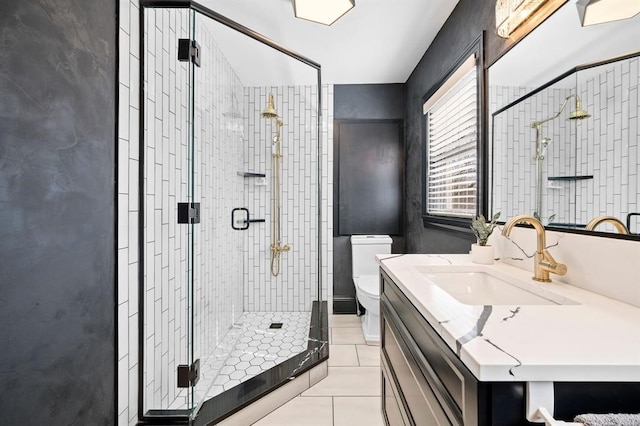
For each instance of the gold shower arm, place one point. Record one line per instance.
(578, 113)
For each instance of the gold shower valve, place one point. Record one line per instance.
(277, 248)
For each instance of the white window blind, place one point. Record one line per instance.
(452, 142)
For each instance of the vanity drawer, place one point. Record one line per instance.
(392, 405)
(422, 405)
(452, 383)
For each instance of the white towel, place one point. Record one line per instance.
(608, 419)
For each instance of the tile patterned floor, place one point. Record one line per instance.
(349, 395)
(250, 348)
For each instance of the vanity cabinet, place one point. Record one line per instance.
(425, 383)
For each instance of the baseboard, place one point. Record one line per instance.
(344, 305)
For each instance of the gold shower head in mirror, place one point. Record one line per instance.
(578, 113)
(270, 110)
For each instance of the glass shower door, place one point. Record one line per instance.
(219, 188)
(226, 187)
(166, 199)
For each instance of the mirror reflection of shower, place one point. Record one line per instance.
(542, 144)
(276, 221)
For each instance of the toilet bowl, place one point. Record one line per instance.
(366, 280)
(368, 294)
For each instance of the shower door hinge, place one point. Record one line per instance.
(188, 50)
(188, 375)
(188, 212)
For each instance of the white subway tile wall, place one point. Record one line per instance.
(128, 210)
(604, 145)
(220, 299)
(608, 143)
(514, 149)
(295, 287)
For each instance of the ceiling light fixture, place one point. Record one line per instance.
(510, 14)
(593, 12)
(324, 12)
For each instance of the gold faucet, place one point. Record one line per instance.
(543, 262)
(617, 223)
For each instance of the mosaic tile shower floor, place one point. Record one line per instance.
(250, 348)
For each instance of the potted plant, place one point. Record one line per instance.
(480, 251)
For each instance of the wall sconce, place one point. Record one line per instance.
(510, 14)
(324, 12)
(593, 12)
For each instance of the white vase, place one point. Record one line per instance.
(482, 254)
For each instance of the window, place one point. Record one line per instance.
(452, 124)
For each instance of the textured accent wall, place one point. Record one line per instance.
(57, 212)
(463, 26)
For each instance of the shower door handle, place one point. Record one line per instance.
(246, 221)
(234, 220)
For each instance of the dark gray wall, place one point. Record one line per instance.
(368, 177)
(57, 225)
(361, 102)
(464, 25)
(466, 22)
(369, 101)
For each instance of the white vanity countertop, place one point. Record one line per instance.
(596, 339)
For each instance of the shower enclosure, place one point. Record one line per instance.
(218, 329)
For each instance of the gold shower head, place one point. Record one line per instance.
(578, 113)
(270, 110)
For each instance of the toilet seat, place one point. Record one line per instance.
(369, 285)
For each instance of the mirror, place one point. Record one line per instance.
(567, 171)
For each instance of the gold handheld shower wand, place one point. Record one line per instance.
(276, 245)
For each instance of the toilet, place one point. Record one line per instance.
(366, 279)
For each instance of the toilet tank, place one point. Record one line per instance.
(363, 250)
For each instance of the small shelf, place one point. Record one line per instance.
(570, 178)
(251, 175)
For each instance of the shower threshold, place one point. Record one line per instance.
(252, 347)
(260, 360)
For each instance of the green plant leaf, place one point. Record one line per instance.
(483, 229)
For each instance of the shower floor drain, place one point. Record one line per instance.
(276, 325)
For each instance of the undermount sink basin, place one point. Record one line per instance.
(481, 288)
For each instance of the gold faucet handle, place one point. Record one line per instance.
(548, 263)
(557, 268)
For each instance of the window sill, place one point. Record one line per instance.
(457, 224)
